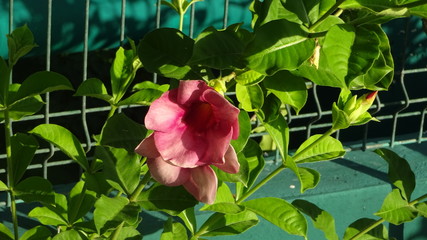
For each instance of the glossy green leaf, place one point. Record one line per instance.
(39, 232)
(143, 97)
(308, 11)
(159, 56)
(172, 200)
(380, 232)
(41, 82)
(4, 81)
(122, 132)
(278, 45)
(122, 72)
(280, 213)
(224, 207)
(255, 159)
(244, 132)
(395, 209)
(271, 109)
(93, 87)
(23, 147)
(251, 97)
(122, 168)
(64, 140)
(399, 172)
(188, 216)
(150, 85)
(288, 88)
(391, 8)
(3, 186)
(25, 107)
(96, 181)
(279, 131)
(327, 148)
(125, 233)
(248, 77)
(322, 220)
(35, 189)
(229, 224)
(309, 178)
(173, 231)
(81, 200)
(267, 11)
(422, 209)
(5, 232)
(20, 42)
(220, 49)
(47, 216)
(239, 177)
(68, 235)
(111, 212)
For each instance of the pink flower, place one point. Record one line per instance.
(193, 126)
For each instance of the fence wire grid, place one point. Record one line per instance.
(402, 110)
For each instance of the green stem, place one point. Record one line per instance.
(112, 111)
(140, 187)
(181, 20)
(381, 220)
(10, 176)
(327, 14)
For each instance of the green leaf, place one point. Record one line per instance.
(396, 210)
(280, 213)
(111, 212)
(239, 177)
(322, 220)
(5, 232)
(327, 148)
(47, 216)
(3, 186)
(278, 45)
(308, 11)
(244, 132)
(288, 88)
(121, 132)
(308, 177)
(171, 200)
(68, 235)
(158, 55)
(150, 85)
(41, 82)
(390, 8)
(224, 207)
(122, 72)
(4, 81)
(25, 107)
(279, 131)
(422, 209)
(96, 181)
(20, 42)
(250, 97)
(143, 97)
(220, 49)
(380, 232)
(248, 77)
(81, 200)
(122, 168)
(267, 11)
(228, 224)
(173, 231)
(35, 189)
(189, 218)
(23, 147)
(399, 172)
(39, 232)
(93, 87)
(125, 233)
(255, 160)
(64, 140)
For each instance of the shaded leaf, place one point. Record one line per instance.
(35, 189)
(380, 232)
(23, 147)
(172, 200)
(229, 224)
(244, 132)
(280, 213)
(173, 230)
(68, 235)
(93, 87)
(20, 42)
(396, 210)
(81, 200)
(39, 232)
(4, 81)
(64, 140)
(248, 77)
(250, 97)
(322, 220)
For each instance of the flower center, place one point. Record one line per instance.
(200, 116)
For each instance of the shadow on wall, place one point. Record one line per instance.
(68, 17)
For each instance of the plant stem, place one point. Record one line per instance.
(10, 177)
(112, 111)
(324, 16)
(181, 21)
(140, 187)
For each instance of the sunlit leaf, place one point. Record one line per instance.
(81, 200)
(68, 234)
(173, 231)
(39, 232)
(20, 42)
(396, 210)
(280, 213)
(143, 97)
(5, 232)
(47, 216)
(380, 232)
(327, 148)
(250, 97)
(244, 132)
(229, 224)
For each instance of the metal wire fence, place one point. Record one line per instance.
(402, 110)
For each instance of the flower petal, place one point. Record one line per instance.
(181, 147)
(218, 140)
(166, 173)
(147, 148)
(231, 163)
(190, 91)
(164, 113)
(202, 184)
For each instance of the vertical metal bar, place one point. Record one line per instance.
(225, 20)
(85, 61)
(421, 132)
(192, 17)
(11, 16)
(48, 59)
(319, 111)
(158, 18)
(123, 22)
